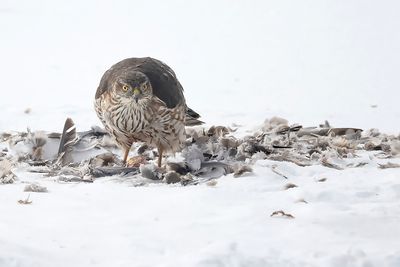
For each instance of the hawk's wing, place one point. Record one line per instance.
(164, 82)
(162, 78)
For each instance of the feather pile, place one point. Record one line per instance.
(209, 153)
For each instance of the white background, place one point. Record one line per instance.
(239, 61)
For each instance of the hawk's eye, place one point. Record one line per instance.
(125, 88)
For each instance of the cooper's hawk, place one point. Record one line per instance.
(140, 99)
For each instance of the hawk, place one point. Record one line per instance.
(140, 99)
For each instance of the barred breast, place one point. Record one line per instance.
(156, 124)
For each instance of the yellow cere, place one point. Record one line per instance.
(136, 91)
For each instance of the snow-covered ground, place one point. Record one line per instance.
(351, 219)
(240, 62)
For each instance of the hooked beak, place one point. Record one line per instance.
(136, 94)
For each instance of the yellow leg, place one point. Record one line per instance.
(126, 155)
(160, 151)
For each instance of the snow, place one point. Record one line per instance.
(239, 62)
(349, 220)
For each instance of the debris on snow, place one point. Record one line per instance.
(172, 177)
(274, 169)
(25, 201)
(389, 165)
(241, 169)
(208, 153)
(281, 213)
(35, 188)
(289, 185)
(6, 174)
(212, 182)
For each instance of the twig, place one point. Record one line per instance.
(273, 168)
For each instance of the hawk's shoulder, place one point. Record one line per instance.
(163, 81)
(162, 78)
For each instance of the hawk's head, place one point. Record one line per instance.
(133, 86)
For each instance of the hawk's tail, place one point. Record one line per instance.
(192, 118)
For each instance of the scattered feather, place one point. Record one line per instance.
(325, 162)
(212, 182)
(229, 142)
(172, 177)
(241, 169)
(213, 169)
(289, 185)
(274, 122)
(301, 200)
(136, 161)
(389, 165)
(149, 171)
(281, 213)
(35, 188)
(38, 139)
(188, 179)
(110, 171)
(68, 139)
(74, 179)
(103, 160)
(394, 147)
(142, 149)
(193, 157)
(219, 131)
(25, 201)
(326, 124)
(208, 154)
(357, 165)
(371, 145)
(179, 167)
(6, 174)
